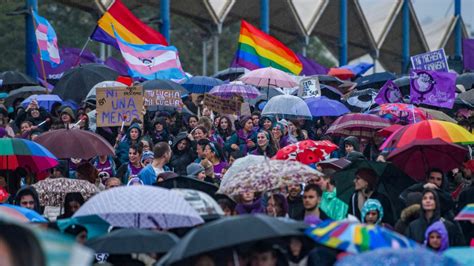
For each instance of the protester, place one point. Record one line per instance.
(27, 197)
(162, 154)
(277, 205)
(105, 164)
(182, 153)
(72, 202)
(215, 155)
(242, 138)
(372, 212)
(112, 182)
(265, 146)
(197, 171)
(436, 237)
(311, 200)
(249, 204)
(160, 132)
(280, 140)
(131, 168)
(224, 128)
(133, 136)
(295, 202)
(335, 208)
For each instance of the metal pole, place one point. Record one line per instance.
(305, 45)
(343, 33)
(30, 37)
(457, 29)
(216, 47)
(405, 36)
(265, 15)
(102, 51)
(204, 57)
(165, 19)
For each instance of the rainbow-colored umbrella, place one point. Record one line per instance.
(27, 154)
(356, 238)
(467, 213)
(428, 129)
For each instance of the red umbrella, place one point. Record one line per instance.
(306, 151)
(75, 143)
(341, 73)
(387, 131)
(358, 125)
(419, 156)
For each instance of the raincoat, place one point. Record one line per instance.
(441, 230)
(335, 208)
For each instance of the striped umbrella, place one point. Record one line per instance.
(356, 237)
(235, 88)
(27, 154)
(358, 125)
(467, 213)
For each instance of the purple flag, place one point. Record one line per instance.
(433, 88)
(117, 65)
(311, 67)
(468, 53)
(389, 93)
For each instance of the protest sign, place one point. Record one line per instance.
(170, 98)
(309, 87)
(435, 60)
(222, 106)
(119, 105)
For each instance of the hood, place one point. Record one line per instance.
(354, 141)
(137, 126)
(441, 230)
(178, 138)
(437, 212)
(160, 120)
(372, 205)
(263, 118)
(28, 190)
(410, 213)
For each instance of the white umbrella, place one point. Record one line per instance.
(287, 105)
(141, 207)
(204, 204)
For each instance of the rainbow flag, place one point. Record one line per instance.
(46, 39)
(467, 213)
(129, 27)
(257, 49)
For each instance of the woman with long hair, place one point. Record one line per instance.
(133, 166)
(265, 145)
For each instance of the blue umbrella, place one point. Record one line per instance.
(31, 215)
(44, 100)
(463, 255)
(201, 84)
(323, 106)
(359, 68)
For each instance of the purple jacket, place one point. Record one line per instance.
(255, 207)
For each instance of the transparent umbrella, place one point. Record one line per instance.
(287, 106)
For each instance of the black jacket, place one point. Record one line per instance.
(387, 207)
(28, 190)
(296, 208)
(181, 159)
(445, 199)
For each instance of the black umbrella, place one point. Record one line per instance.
(76, 83)
(467, 97)
(188, 182)
(360, 100)
(374, 81)
(404, 84)
(228, 233)
(163, 84)
(10, 80)
(230, 74)
(132, 240)
(467, 80)
(23, 93)
(392, 180)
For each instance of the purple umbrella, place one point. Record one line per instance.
(235, 88)
(323, 106)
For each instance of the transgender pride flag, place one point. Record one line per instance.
(46, 39)
(151, 61)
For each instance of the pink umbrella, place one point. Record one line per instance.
(269, 76)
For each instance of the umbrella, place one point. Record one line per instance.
(429, 129)
(330, 92)
(44, 100)
(467, 80)
(203, 203)
(235, 88)
(52, 191)
(362, 99)
(27, 154)
(397, 257)
(387, 131)
(228, 233)
(269, 76)
(94, 225)
(322, 106)
(467, 97)
(91, 96)
(374, 81)
(141, 207)
(392, 181)
(75, 143)
(403, 83)
(266, 176)
(330, 80)
(10, 80)
(400, 113)
(132, 240)
(341, 73)
(188, 182)
(421, 155)
(23, 93)
(355, 237)
(77, 82)
(287, 106)
(163, 84)
(359, 125)
(462, 255)
(438, 115)
(23, 214)
(466, 214)
(231, 73)
(334, 163)
(201, 84)
(359, 68)
(306, 151)
(240, 165)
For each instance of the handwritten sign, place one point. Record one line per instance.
(434, 60)
(309, 87)
(119, 105)
(163, 98)
(222, 106)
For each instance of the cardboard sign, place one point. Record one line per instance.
(222, 106)
(170, 98)
(309, 87)
(435, 60)
(119, 105)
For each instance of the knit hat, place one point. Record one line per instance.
(369, 175)
(243, 120)
(68, 110)
(193, 169)
(147, 155)
(372, 205)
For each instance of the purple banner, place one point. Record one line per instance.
(117, 65)
(389, 93)
(468, 53)
(435, 60)
(433, 88)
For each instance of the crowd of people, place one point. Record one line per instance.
(169, 144)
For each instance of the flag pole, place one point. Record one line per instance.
(82, 51)
(39, 53)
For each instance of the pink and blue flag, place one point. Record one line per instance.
(46, 39)
(151, 61)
